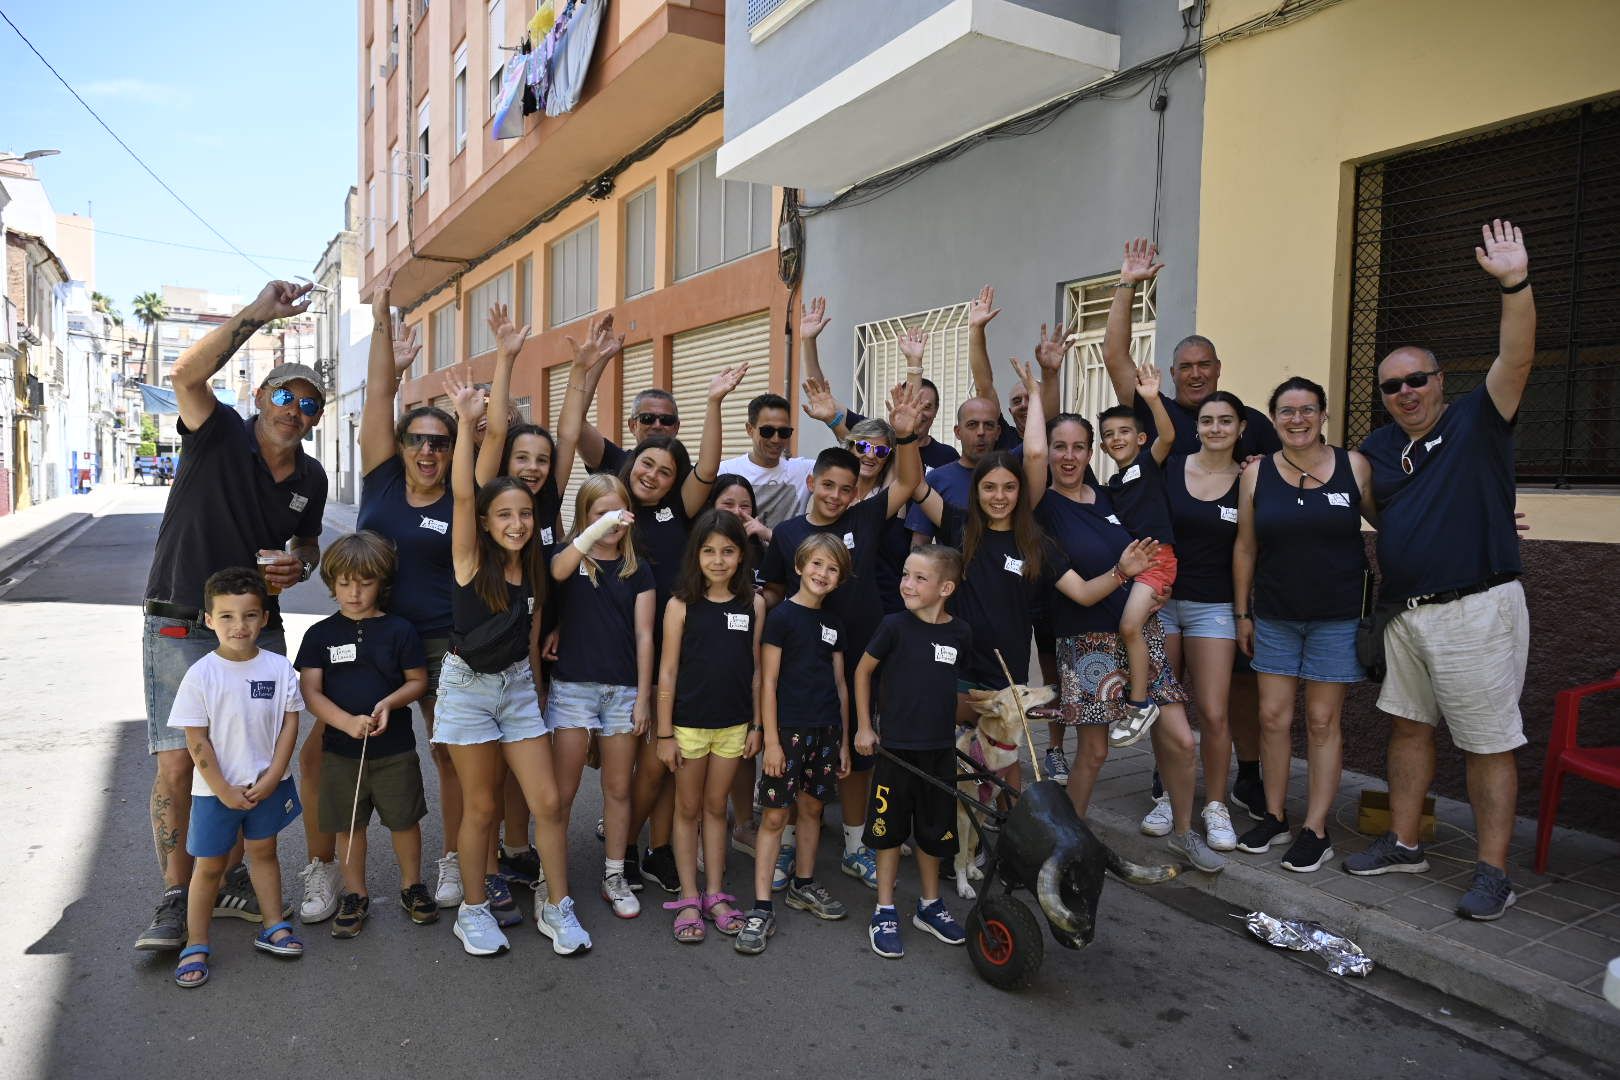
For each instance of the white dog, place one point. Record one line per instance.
(995, 743)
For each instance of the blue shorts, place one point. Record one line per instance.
(215, 826)
(1317, 650)
(591, 706)
(168, 649)
(1191, 618)
(475, 707)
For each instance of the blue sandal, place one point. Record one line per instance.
(192, 968)
(288, 946)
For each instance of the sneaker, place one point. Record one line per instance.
(449, 894)
(477, 931)
(321, 881)
(758, 927)
(616, 891)
(1385, 856)
(1260, 838)
(1218, 827)
(168, 927)
(884, 934)
(1159, 820)
(862, 864)
(419, 905)
(522, 868)
(559, 923)
(1488, 896)
(632, 867)
(744, 837)
(783, 872)
(938, 921)
(236, 899)
(1192, 846)
(1250, 796)
(659, 869)
(1136, 723)
(814, 898)
(1308, 852)
(601, 833)
(498, 898)
(351, 915)
(1056, 765)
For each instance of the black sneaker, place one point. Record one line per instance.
(236, 899)
(168, 929)
(1250, 794)
(501, 904)
(1308, 852)
(1386, 856)
(1260, 838)
(419, 904)
(1488, 896)
(632, 866)
(522, 868)
(659, 868)
(351, 915)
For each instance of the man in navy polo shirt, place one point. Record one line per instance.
(1448, 554)
(244, 490)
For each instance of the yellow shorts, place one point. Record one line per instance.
(726, 742)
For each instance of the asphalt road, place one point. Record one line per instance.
(1161, 992)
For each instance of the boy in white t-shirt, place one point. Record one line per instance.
(239, 709)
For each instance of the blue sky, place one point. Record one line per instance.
(246, 110)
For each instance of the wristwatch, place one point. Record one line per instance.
(1241, 615)
(907, 440)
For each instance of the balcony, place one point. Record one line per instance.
(968, 65)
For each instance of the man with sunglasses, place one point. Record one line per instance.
(244, 494)
(778, 480)
(1448, 553)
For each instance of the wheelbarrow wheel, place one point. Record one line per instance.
(1004, 940)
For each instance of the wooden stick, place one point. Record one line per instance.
(1029, 740)
(359, 779)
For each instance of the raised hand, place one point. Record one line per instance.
(1503, 255)
(755, 528)
(1147, 380)
(1141, 261)
(726, 381)
(508, 338)
(600, 345)
(905, 409)
(1026, 375)
(1050, 351)
(470, 401)
(279, 300)
(982, 308)
(913, 343)
(819, 403)
(406, 348)
(812, 318)
(381, 312)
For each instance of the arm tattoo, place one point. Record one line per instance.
(244, 330)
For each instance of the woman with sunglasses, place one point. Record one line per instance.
(1299, 570)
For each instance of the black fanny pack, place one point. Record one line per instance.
(495, 644)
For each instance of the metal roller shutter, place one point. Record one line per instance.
(559, 394)
(701, 354)
(638, 376)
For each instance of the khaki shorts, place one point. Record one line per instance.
(1463, 661)
(392, 787)
(726, 742)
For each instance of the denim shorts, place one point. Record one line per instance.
(478, 708)
(214, 826)
(1317, 650)
(1190, 618)
(168, 649)
(592, 706)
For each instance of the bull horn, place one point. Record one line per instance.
(1047, 892)
(1136, 873)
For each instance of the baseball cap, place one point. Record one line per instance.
(282, 374)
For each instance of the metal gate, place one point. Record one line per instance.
(1087, 389)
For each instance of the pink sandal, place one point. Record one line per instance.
(730, 922)
(688, 928)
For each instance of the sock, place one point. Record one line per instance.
(924, 902)
(1405, 847)
(852, 838)
(1158, 785)
(475, 907)
(788, 835)
(1248, 771)
(801, 882)
(764, 905)
(611, 867)
(510, 853)
(884, 909)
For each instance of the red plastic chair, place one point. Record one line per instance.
(1598, 764)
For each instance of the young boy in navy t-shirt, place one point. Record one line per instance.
(923, 651)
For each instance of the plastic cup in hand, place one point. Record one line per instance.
(269, 560)
(1611, 983)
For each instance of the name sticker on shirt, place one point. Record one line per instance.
(849, 540)
(1132, 473)
(1012, 565)
(664, 515)
(1337, 498)
(829, 636)
(1113, 519)
(440, 527)
(545, 536)
(1229, 514)
(737, 622)
(262, 689)
(341, 654)
(1434, 442)
(298, 502)
(584, 571)
(531, 604)
(945, 654)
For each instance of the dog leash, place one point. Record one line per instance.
(1029, 740)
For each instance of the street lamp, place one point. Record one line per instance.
(32, 155)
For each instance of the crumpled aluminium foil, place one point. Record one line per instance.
(1343, 956)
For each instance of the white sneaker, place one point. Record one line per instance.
(616, 891)
(476, 929)
(321, 881)
(1218, 827)
(559, 923)
(449, 894)
(1159, 820)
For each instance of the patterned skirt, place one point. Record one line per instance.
(1094, 675)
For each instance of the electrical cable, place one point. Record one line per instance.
(99, 231)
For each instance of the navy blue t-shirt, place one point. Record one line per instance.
(714, 684)
(1093, 540)
(998, 601)
(1449, 525)
(360, 664)
(1310, 560)
(421, 535)
(855, 601)
(1259, 436)
(893, 547)
(1205, 534)
(917, 691)
(1140, 500)
(597, 642)
(1009, 437)
(806, 682)
(954, 482)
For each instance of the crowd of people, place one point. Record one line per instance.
(735, 644)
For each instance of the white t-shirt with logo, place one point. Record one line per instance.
(780, 492)
(242, 703)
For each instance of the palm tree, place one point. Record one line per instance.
(150, 310)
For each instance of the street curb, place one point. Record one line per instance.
(1528, 998)
(37, 541)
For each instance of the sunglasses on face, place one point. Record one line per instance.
(1417, 381)
(648, 419)
(281, 396)
(768, 431)
(437, 443)
(877, 450)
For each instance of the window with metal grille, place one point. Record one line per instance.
(497, 290)
(1087, 389)
(573, 275)
(1414, 280)
(758, 9)
(879, 365)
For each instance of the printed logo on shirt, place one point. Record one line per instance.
(829, 636)
(1434, 442)
(546, 536)
(531, 604)
(1132, 473)
(1337, 498)
(440, 527)
(849, 540)
(735, 621)
(1113, 519)
(262, 689)
(945, 654)
(664, 515)
(298, 502)
(1012, 565)
(342, 654)
(1229, 514)
(286, 807)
